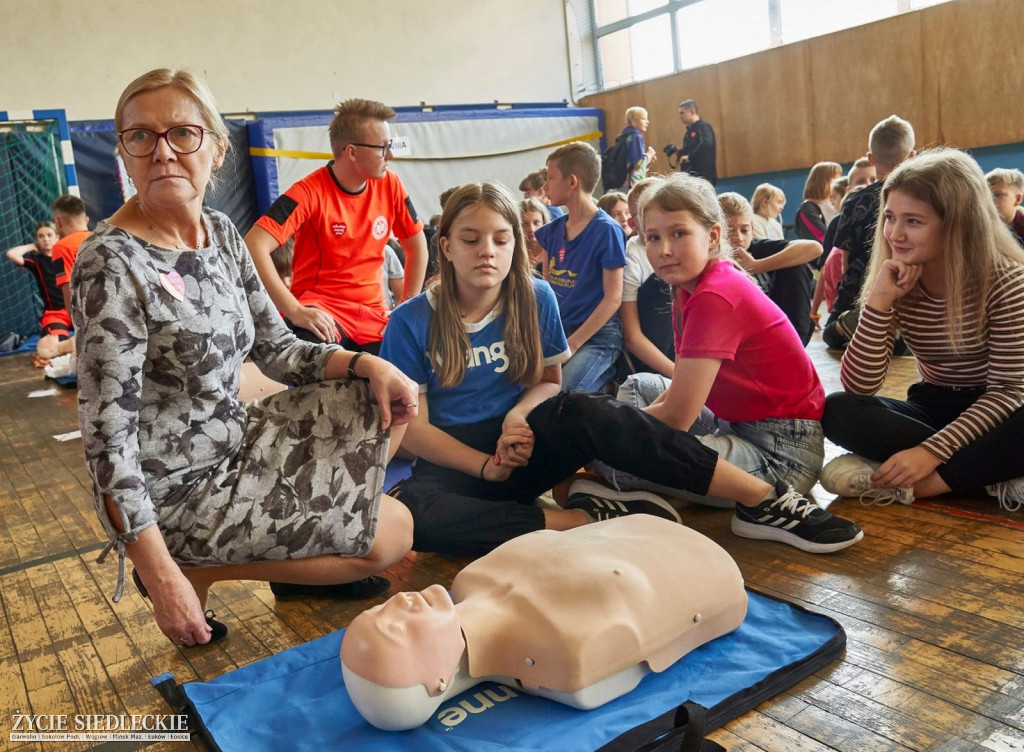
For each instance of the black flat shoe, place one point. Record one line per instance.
(370, 587)
(218, 630)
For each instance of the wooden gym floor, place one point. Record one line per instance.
(932, 603)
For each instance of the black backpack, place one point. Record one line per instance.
(614, 168)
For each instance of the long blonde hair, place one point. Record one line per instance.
(449, 343)
(976, 242)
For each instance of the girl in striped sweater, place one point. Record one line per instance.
(946, 273)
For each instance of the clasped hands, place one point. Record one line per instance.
(514, 449)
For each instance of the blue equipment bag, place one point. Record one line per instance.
(296, 700)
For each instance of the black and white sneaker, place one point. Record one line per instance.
(790, 518)
(603, 503)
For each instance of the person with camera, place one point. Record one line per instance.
(697, 154)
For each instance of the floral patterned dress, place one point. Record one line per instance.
(162, 335)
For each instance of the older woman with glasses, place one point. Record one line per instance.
(192, 484)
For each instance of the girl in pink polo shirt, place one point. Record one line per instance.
(742, 383)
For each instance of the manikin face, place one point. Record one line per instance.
(410, 639)
(861, 176)
(912, 228)
(741, 230)
(45, 238)
(1007, 199)
(480, 245)
(678, 246)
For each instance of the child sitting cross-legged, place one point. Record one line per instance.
(743, 383)
(947, 274)
(781, 268)
(493, 431)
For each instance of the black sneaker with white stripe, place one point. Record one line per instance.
(603, 503)
(790, 518)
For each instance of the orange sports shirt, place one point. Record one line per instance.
(339, 245)
(64, 251)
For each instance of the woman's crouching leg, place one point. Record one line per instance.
(392, 541)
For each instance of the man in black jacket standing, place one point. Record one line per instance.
(697, 155)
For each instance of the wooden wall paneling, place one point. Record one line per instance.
(862, 75)
(976, 50)
(765, 99)
(952, 70)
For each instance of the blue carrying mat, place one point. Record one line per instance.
(296, 700)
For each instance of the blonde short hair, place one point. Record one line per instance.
(197, 88)
(891, 141)
(763, 194)
(634, 113)
(350, 118)
(734, 204)
(1003, 176)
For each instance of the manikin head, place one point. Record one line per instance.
(422, 627)
(399, 658)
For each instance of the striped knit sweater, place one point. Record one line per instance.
(993, 360)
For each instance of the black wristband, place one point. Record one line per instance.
(484, 467)
(352, 364)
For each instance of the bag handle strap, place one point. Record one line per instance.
(679, 730)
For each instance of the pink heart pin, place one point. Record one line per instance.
(174, 284)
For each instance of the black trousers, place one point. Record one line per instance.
(373, 348)
(878, 427)
(458, 513)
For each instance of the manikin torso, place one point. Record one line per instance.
(579, 616)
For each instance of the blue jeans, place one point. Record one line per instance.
(773, 449)
(593, 365)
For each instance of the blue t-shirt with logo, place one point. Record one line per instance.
(485, 391)
(576, 267)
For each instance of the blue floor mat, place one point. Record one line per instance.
(296, 700)
(28, 345)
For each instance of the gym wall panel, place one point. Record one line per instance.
(952, 70)
(760, 131)
(446, 148)
(851, 91)
(269, 55)
(976, 51)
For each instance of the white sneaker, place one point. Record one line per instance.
(850, 475)
(1009, 493)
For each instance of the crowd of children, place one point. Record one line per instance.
(695, 310)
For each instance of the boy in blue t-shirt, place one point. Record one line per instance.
(586, 254)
